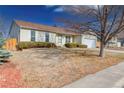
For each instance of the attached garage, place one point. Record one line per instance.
(89, 40)
(91, 43)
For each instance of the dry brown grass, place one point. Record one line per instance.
(58, 67)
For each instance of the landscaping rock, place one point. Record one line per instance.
(10, 76)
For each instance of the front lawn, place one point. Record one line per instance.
(58, 67)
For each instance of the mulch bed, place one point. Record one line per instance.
(10, 76)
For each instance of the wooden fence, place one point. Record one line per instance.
(10, 44)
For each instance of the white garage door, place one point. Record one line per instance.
(91, 43)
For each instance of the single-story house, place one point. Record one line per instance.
(28, 31)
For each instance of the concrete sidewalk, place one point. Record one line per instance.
(107, 78)
(109, 50)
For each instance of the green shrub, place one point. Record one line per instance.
(71, 45)
(25, 45)
(82, 46)
(2, 42)
(75, 45)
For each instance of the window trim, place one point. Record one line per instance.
(68, 39)
(47, 37)
(60, 39)
(33, 38)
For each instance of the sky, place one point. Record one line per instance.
(43, 14)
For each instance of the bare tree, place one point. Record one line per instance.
(105, 21)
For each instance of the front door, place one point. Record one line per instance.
(68, 39)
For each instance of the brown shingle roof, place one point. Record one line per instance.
(40, 27)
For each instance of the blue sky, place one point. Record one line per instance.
(42, 14)
(38, 14)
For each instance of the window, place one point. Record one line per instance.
(68, 39)
(60, 39)
(32, 35)
(47, 37)
(41, 36)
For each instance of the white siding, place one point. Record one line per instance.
(25, 35)
(89, 40)
(85, 36)
(52, 37)
(71, 39)
(114, 40)
(63, 39)
(77, 39)
(57, 41)
(40, 36)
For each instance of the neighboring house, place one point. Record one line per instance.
(121, 38)
(113, 42)
(122, 41)
(27, 31)
(116, 42)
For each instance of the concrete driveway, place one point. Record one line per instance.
(107, 78)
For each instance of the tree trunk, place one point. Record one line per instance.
(102, 46)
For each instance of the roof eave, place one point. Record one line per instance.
(76, 34)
